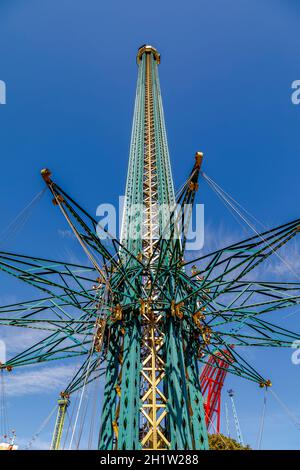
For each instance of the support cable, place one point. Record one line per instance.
(93, 417)
(220, 435)
(218, 190)
(40, 429)
(288, 412)
(20, 220)
(82, 422)
(262, 420)
(85, 380)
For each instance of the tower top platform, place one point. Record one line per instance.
(147, 48)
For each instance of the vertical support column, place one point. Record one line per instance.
(108, 435)
(154, 401)
(63, 403)
(128, 422)
(131, 231)
(150, 186)
(178, 401)
(197, 414)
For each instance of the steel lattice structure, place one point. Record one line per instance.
(139, 313)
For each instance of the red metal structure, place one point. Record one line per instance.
(212, 380)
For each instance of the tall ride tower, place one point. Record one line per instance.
(152, 397)
(140, 313)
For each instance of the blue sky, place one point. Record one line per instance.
(226, 75)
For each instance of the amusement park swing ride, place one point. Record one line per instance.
(139, 313)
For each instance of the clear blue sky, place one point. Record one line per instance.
(226, 74)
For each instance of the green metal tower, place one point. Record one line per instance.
(138, 312)
(152, 393)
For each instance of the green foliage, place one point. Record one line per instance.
(221, 442)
